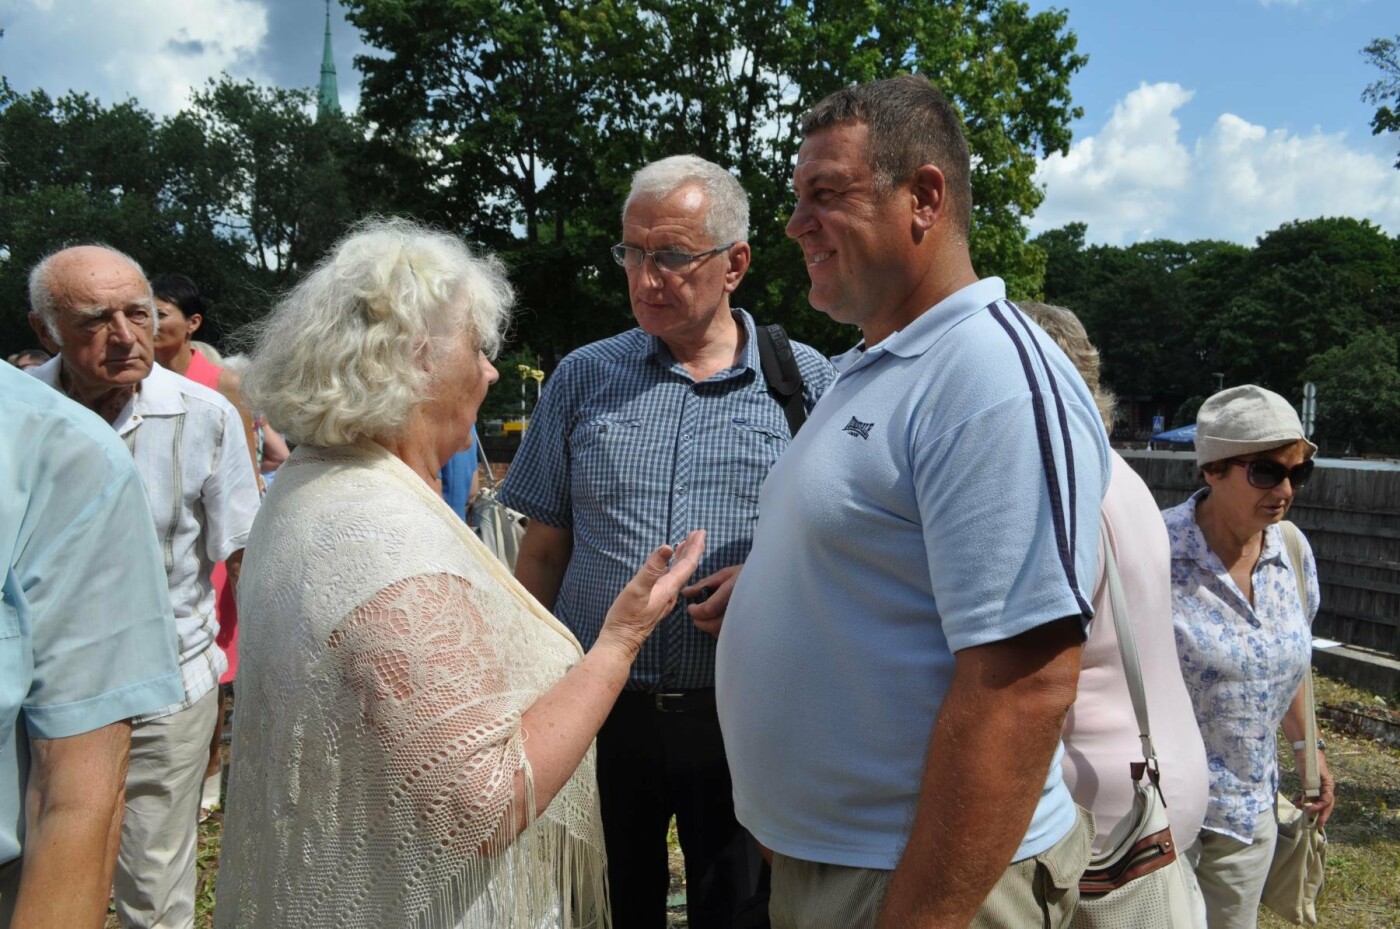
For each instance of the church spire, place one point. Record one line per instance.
(329, 98)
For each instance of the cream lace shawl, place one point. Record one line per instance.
(387, 658)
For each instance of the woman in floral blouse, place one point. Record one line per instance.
(1242, 634)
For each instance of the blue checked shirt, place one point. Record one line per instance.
(628, 451)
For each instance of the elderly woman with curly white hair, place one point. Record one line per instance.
(413, 744)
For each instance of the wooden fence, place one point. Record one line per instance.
(1351, 516)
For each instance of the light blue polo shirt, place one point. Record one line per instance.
(87, 635)
(943, 494)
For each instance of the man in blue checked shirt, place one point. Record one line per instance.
(639, 439)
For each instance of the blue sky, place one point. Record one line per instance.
(1202, 118)
(1222, 119)
(1294, 66)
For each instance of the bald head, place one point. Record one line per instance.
(92, 305)
(57, 272)
(60, 270)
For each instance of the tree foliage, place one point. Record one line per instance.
(1358, 391)
(523, 120)
(242, 191)
(517, 123)
(1170, 319)
(1384, 92)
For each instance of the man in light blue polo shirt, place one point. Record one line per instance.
(903, 643)
(87, 640)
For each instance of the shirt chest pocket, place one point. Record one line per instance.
(617, 457)
(745, 455)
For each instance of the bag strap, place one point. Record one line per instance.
(1127, 648)
(485, 463)
(780, 371)
(1312, 782)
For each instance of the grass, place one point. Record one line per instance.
(1363, 836)
(1363, 859)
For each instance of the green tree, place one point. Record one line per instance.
(1168, 316)
(732, 80)
(1307, 287)
(270, 176)
(1144, 305)
(1385, 91)
(242, 191)
(1358, 392)
(72, 170)
(524, 120)
(514, 123)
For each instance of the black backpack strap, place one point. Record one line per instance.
(780, 370)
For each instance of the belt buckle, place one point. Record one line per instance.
(674, 698)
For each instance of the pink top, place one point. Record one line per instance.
(1101, 737)
(203, 371)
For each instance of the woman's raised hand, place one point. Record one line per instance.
(652, 592)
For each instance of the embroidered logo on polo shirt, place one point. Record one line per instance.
(857, 428)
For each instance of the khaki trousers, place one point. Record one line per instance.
(1231, 874)
(1039, 891)
(155, 877)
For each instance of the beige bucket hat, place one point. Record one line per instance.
(1243, 420)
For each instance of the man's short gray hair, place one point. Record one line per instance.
(727, 219)
(43, 304)
(351, 350)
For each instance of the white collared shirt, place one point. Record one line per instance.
(188, 444)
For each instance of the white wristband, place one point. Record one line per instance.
(1302, 744)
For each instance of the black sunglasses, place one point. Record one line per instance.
(1266, 474)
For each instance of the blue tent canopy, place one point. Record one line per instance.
(1186, 435)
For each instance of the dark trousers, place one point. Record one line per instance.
(652, 764)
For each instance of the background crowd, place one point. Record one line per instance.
(846, 620)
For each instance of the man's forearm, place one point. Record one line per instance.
(73, 819)
(985, 771)
(543, 559)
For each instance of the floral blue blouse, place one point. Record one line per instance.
(1242, 664)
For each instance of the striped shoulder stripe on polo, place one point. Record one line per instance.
(1063, 418)
(1062, 516)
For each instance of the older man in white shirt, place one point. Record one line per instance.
(92, 307)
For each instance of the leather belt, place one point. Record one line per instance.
(684, 701)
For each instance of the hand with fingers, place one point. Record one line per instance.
(709, 598)
(1322, 806)
(652, 592)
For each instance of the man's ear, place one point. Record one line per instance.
(929, 191)
(740, 255)
(42, 331)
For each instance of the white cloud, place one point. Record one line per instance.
(1126, 177)
(1137, 179)
(152, 50)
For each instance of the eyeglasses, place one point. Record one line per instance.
(667, 259)
(1267, 474)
